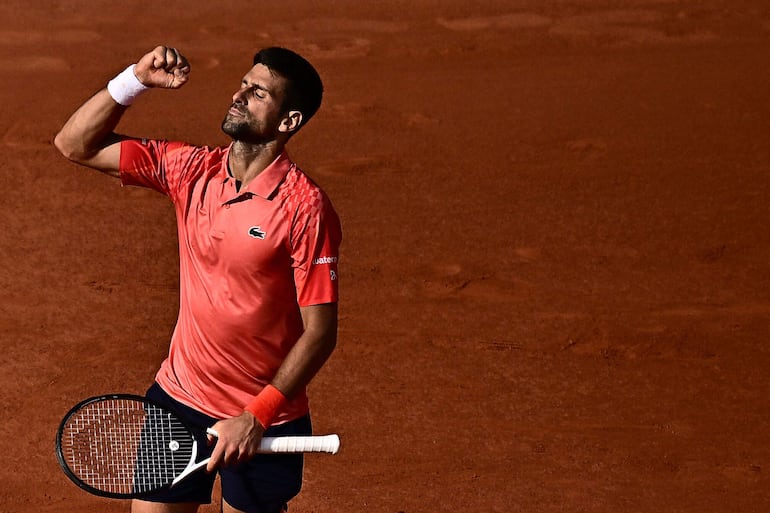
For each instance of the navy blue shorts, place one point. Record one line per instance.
(264, 484)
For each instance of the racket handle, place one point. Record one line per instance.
(272, 444)
(326, 443)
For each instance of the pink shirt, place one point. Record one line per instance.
(248, 261)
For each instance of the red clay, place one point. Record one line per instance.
(555, 262)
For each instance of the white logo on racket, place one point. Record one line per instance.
(173, 445)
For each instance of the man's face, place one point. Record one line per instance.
(257, 109)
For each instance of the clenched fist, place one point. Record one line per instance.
(163, 67)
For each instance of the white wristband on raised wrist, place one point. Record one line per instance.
(125, 87)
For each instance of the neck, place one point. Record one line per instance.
(247, 161)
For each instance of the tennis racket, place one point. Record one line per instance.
(125, 446)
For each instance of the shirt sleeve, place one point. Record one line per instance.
(154, 164)
(315, 253)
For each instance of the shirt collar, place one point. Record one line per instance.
(266, 182)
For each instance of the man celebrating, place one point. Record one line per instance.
(258, 246)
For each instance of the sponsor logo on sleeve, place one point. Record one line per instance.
(325, 260)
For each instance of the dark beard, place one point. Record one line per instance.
(241, 131)
(238, 131)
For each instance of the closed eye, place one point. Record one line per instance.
(257, 90)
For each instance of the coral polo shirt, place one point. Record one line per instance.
(248, 261)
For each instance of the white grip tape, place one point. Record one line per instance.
(327, 443)
(292, 444)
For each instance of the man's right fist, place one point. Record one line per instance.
(163, 67)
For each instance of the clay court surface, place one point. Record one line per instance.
(556, 258)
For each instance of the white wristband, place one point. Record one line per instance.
(125, 87)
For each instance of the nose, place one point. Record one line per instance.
(238, 96)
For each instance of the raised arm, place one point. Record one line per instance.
(88, 137)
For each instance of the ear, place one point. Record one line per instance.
(291, 122)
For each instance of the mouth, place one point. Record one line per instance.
(235, 111)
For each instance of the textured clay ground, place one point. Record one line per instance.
(556, 256)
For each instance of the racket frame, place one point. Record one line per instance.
(103, 493)
(329, 444)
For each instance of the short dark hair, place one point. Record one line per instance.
(304, 89)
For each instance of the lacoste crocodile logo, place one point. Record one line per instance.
(257, 233)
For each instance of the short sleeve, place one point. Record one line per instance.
(315, 252)
(154, 164)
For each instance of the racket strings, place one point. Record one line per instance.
(124, 446)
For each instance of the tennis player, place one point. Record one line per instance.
(259, 248)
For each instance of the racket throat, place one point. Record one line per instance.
(192, 466)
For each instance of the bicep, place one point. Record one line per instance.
(107, 157)
(88, 137)
(321, 320)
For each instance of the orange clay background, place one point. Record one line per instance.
(555, 266)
